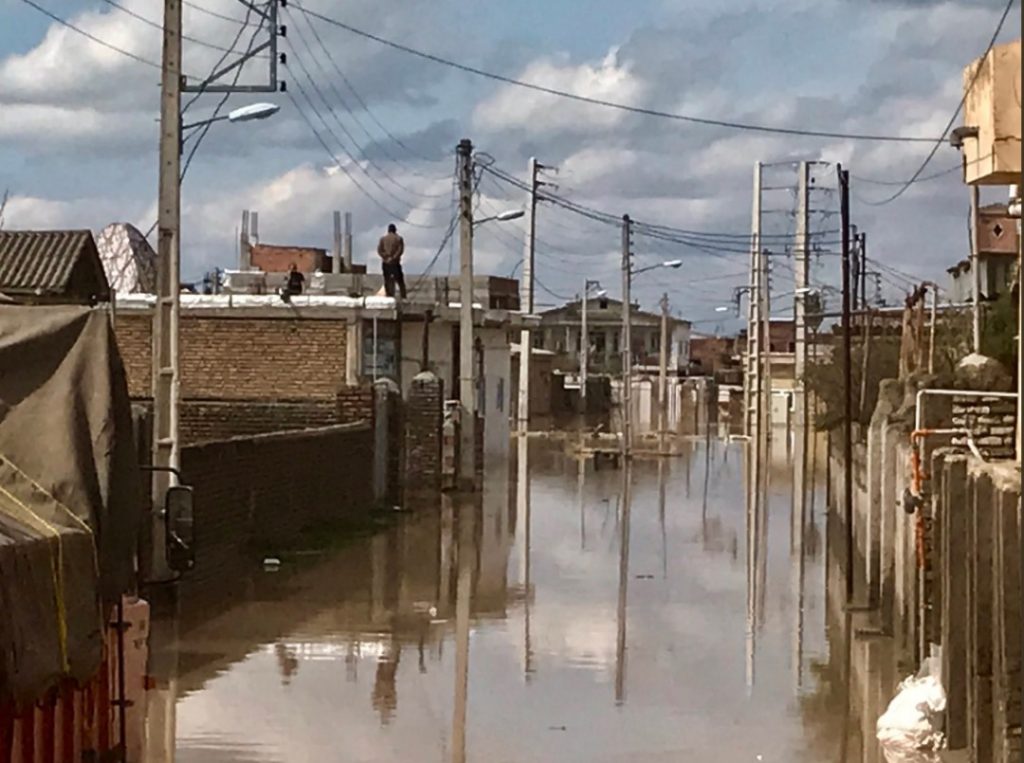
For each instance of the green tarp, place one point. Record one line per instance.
(70, 493)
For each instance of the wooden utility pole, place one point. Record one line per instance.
(467, 368)
(627, 337)
(663, 376)
(844, 211)
(165, 382)
(527, 306)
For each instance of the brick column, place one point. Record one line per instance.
(423, 418)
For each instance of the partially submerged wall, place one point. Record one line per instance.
(945, 569)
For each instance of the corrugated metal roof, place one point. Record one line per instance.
(41, 262)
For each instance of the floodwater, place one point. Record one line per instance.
(587, 619)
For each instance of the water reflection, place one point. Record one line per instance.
(578, 612)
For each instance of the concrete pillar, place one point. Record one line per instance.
(1006, 624)
(981, 539)
(953, 511)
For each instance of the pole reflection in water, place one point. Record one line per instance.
(620, 639)
(523, 511)
(581, 479)
(662, 488)
(465, 551)
(749, 460)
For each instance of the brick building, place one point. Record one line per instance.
(253, 363)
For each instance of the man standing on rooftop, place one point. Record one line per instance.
(390, 249)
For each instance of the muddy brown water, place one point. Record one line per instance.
(577, 651)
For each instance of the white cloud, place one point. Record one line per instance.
(512, 107)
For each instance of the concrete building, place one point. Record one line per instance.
(998, 247)
(561, 327)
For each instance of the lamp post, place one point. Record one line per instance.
(628, 274)
(467, 367)
(166, 377)
(585, 339)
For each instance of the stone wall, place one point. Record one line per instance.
(992, 422)
(259, 491)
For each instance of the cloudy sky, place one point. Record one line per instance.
(78, 127)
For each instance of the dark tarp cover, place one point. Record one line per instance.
(70, 493)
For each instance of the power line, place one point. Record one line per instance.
(89, 35)
(340, 142)
(224, 99)
(155, 25)
(610, 104)
(956, 113)
(341, 124)
(339, 163)
(220, 61)
(359, 98)
(214, 14)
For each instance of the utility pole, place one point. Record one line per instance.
(527, 305)
(585, 342)
(663, 376)
(166, 447)
(863, 250)
(800, 299)
(844, 212)
(975, 272)
(346, 243)
(627, 338)
(467, 368)
(336, 255)
(752, 375)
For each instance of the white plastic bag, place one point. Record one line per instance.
(910, 730)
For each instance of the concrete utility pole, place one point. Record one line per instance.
(467, 368)
(663, 375)
(800, 295)
(527, 304)
(346, 243)
(166, 379)
(627, 337)
(844, 211)
(244, 253)
(752, 377)
(585, 341)
(336, 249)
(975, 272)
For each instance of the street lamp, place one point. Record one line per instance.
(166, 374)
(628, 273)
(250, 113)
(501, 217)
(585, 338)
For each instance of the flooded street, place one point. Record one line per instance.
(525, 629)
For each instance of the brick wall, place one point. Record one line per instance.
(354, 403)
(423, 415)
(206, 420)
(992, 422)
(260, 491)
(279, 259)
(135, 342)
(283, 358)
